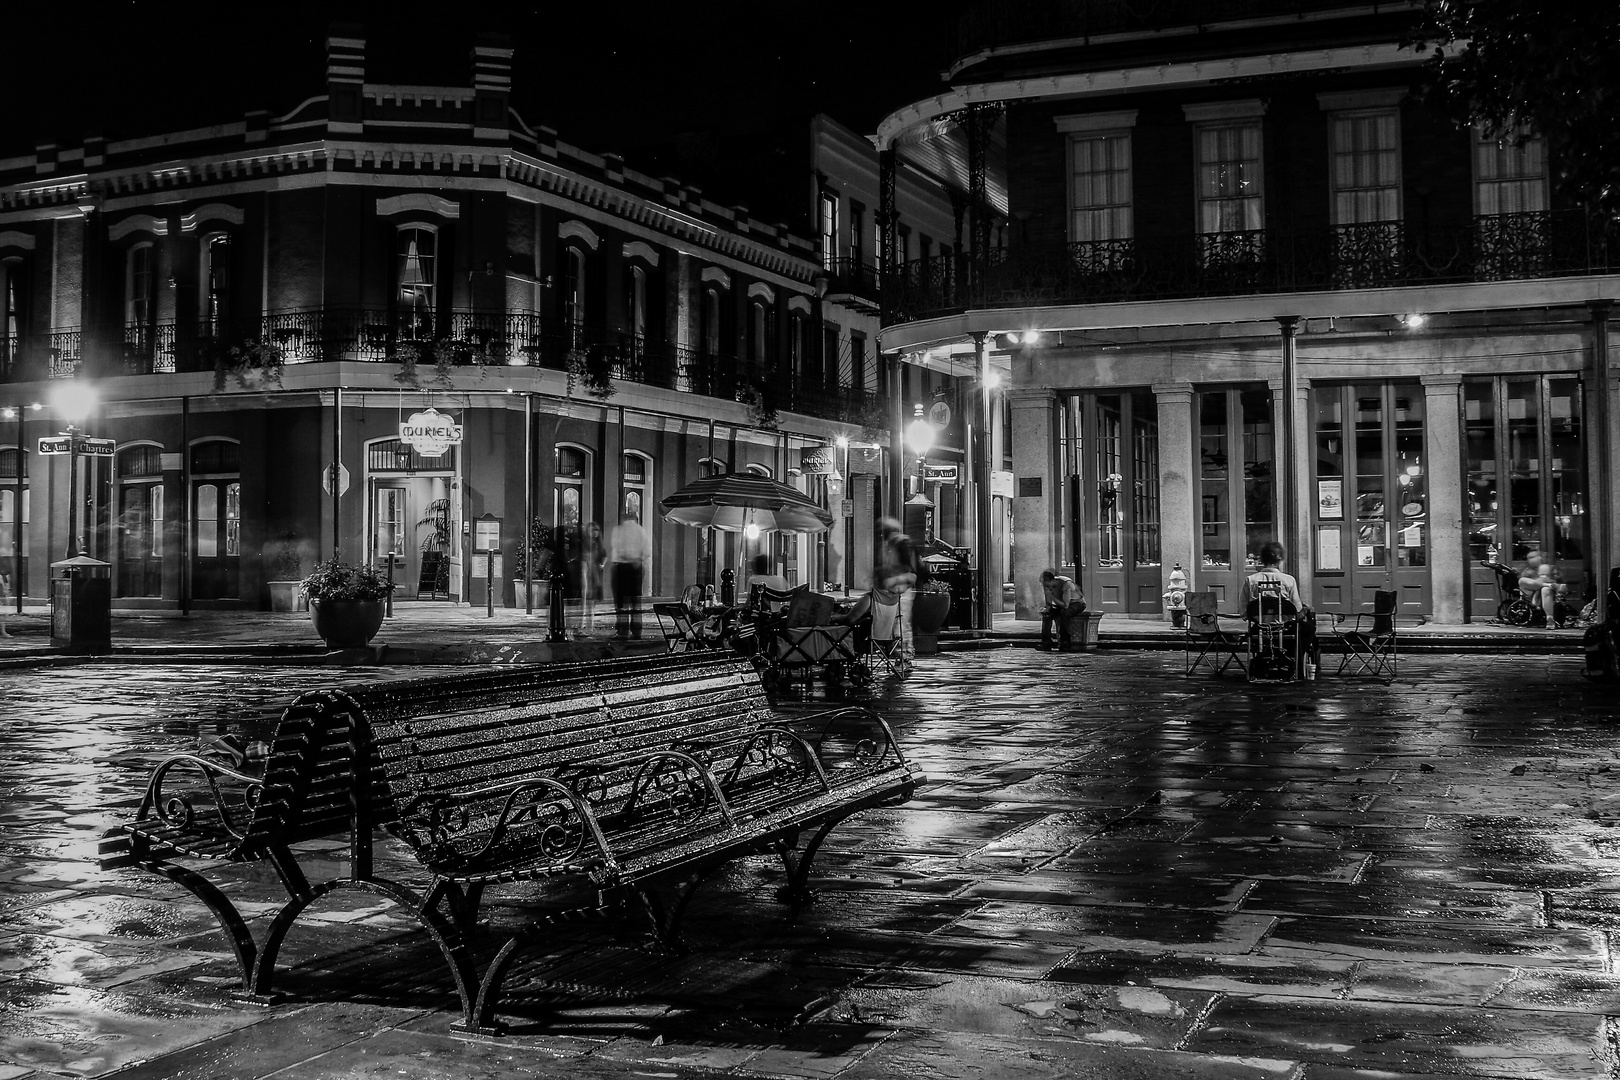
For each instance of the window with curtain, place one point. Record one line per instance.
(138, 299)
(1100, 187)
(1510, 174)
(1366, 167)
(1229, 178)
(418, 270)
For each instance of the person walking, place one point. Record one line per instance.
(1064, 601)
(592, 559)
(629, 550)
(904, 570)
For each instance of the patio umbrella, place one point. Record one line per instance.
(733, 501)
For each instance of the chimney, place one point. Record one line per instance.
(492, 86)
(345, 77)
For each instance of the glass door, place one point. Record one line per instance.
(1526, 482)
(1371, 519)
(216, 539)
(1237, 487)
(1113, 495)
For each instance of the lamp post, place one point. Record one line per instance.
(920, 436)
(73, 401)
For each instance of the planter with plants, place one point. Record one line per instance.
(928, 613)
(538, 581)
(286, 575)
(346, 602)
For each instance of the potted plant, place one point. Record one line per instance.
(928, 612)
(346, 602)
(286, 575)
(538, 581)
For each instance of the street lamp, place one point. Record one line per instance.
(920, 440)
(73, 401)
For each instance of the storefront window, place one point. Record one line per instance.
(1259, 474)
(1110, 480)
(1213, 461)
(1410, 493)
(1145, 478)
(1479, 426)
(1566, 475)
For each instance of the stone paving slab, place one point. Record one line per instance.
(1114, 873)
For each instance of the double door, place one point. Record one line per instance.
(1371, 517)
(1111, 499)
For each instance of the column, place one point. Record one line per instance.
(1037, 482)
(1288, 499)
(1180, 505)
(1443, 469)
(985, 583)
(1603, 515)
(898, 418)
(1294, 497)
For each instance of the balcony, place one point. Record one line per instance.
(428, 342)
(1382, 255)
(853, 277)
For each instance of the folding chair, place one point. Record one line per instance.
(1371, 639)
(680, 634)
(889, 654)
(1205, 635)
(806, 648)
(1274, 639)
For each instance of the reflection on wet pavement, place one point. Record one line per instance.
(1113, 872)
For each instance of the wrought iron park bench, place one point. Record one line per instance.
(595, 784)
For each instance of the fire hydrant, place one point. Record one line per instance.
(1175, 597)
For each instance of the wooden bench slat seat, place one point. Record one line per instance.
(609, 780)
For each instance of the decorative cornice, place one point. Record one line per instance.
(138, 223)
(640, 249)
(716, 276)
(760, 291)
(231, 215)
(578, 230)
(11, 238)
(419, 202)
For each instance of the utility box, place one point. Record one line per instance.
(81, 605)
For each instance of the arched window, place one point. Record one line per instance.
(636, 495)
(572, 485)
(138, 298)
(573, 296)
(418, 277)
(711, 321)
(761, 333)
(710, 467)
(214, 279)
(636, 304)
(758, 470)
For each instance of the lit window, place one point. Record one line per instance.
(1366, 168)
(1100, 188)
(1510, 173)
(1229, 186)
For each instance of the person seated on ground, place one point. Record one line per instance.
(760, 574)
(1538, 584)
(1064, 601)
(1271, 580)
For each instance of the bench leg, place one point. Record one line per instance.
(441, 930)
(666, 915)
(479, 1017)
(796, 893)
(230, 920)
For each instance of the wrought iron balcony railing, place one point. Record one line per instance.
(855, 277)
(1382, 255)
(460, 339)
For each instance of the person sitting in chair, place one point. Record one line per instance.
(1064, 601)
(1270, 580)
(1538, 583)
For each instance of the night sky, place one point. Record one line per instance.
(607, 76)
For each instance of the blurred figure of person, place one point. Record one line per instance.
(904, 570)
(1064, 600)
(1539, 584)
(629, 551)
(591, 559)
(5, 598)
(759, 573)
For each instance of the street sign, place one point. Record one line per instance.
(77, 444)
(943, 474)
(343, 480)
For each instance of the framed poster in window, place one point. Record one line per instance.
(1328, 554)
(1330, 500)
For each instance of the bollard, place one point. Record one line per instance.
(728, 587)
(555, 630)
(489, 589)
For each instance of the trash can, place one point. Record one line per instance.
(81, 605)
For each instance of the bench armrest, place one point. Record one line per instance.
(867, 752)
(540, 802)
(681, 779)
(770, 748)
(177, 810)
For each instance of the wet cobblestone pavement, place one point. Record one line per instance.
(1114, 872)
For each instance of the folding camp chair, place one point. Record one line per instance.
(885, 654)
(1370, 639)
(680, 633)
(807, 648)
(1205, 638)
(1274, 639)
